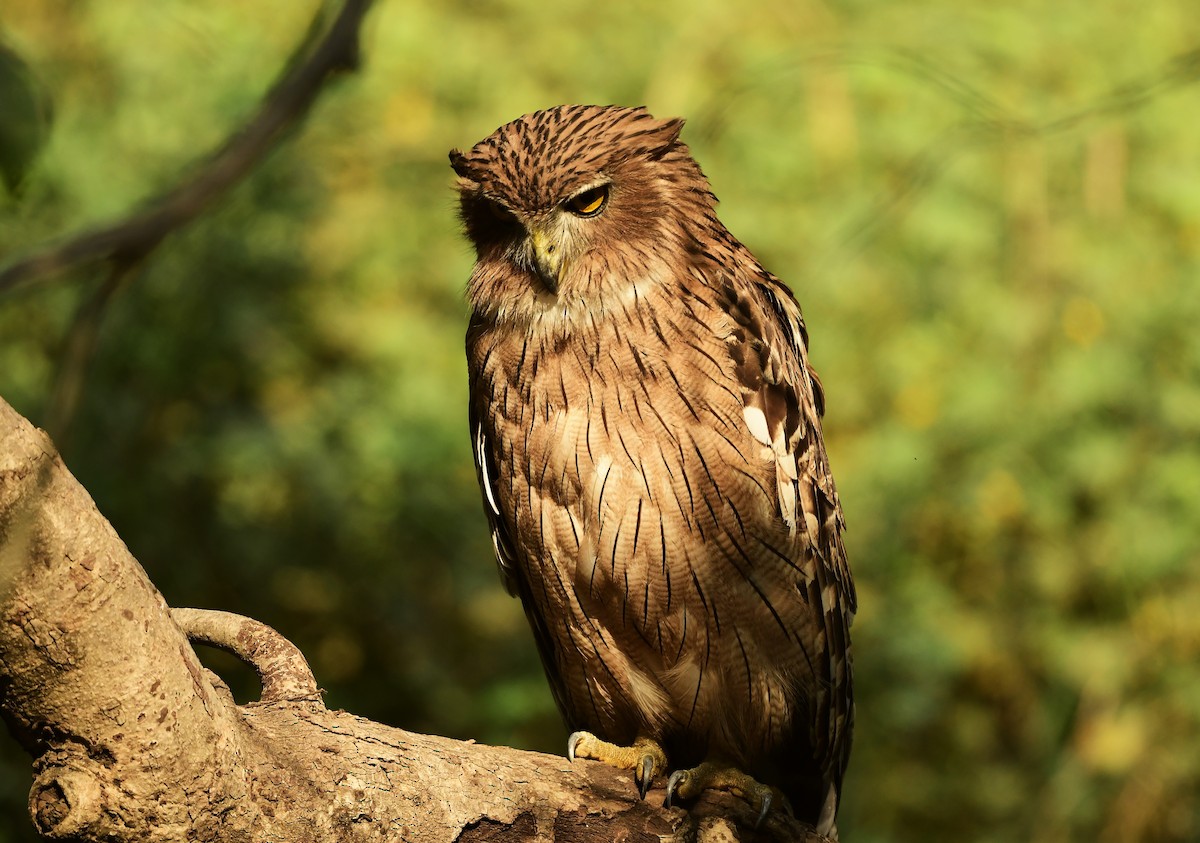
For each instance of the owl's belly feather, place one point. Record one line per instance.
(620, 526)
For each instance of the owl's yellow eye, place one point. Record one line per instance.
(590, 202)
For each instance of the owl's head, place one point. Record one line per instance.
(563, 202)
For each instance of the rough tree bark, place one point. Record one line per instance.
(134, 740)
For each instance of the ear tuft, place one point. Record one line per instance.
(459, 162)
(666, 136)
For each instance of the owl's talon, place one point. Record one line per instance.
(645, 775)
(645, 758)
(573, 743)
(678, 779)
(762, 812)
(688, 784)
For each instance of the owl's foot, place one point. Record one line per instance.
(646, 758)
(688, 784)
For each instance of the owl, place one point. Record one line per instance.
(647, 436)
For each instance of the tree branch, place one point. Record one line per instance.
(130, 240)
(282, 668)
(133, 740)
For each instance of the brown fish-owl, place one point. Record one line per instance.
(647, 433)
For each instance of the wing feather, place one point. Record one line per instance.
(783, 403)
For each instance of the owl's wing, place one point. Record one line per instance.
(483, 450)
(505, 560)
(783, 404)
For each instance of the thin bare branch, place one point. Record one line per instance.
(78, 347)
(131, 239)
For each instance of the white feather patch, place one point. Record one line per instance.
(481, 460)
(756, 420)
(829, 597)
(788, 463)
(787, 496)
(812, 525)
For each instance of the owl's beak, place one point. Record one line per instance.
(547, 258)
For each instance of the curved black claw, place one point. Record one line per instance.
(677, 780)
(645, 775)
(762, 812)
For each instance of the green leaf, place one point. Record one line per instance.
(24, 119)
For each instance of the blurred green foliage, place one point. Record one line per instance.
(990, 214)
(23, 128)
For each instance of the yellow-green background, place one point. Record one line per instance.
(989, 211)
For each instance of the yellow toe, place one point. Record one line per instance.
(688, 784)
(646, 758)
